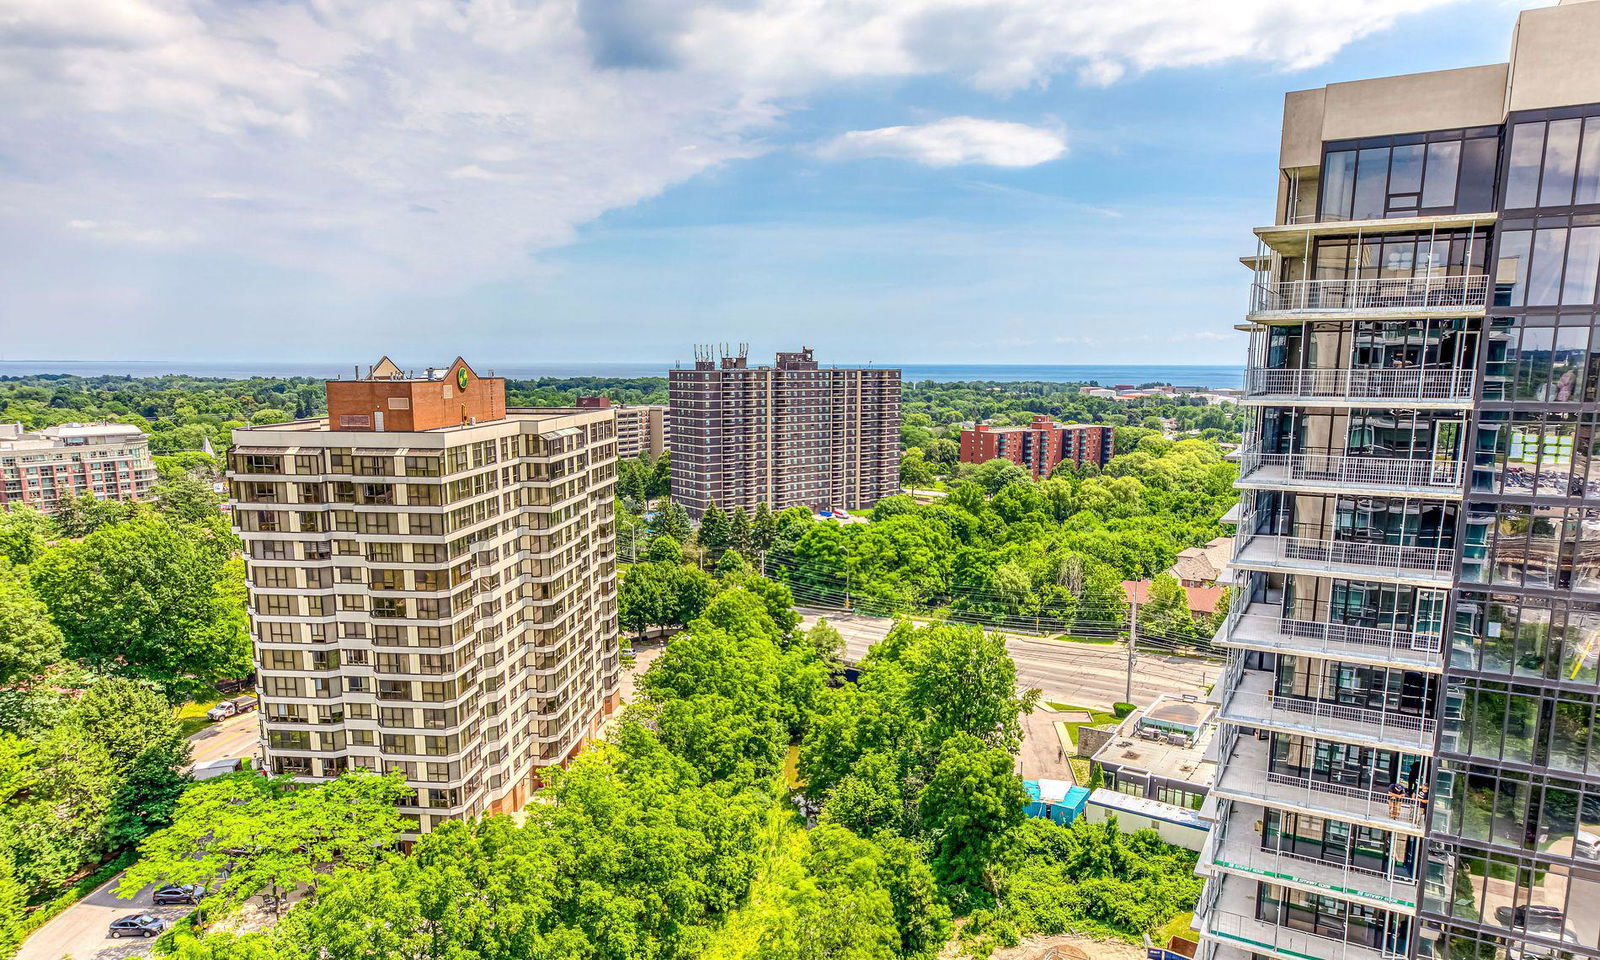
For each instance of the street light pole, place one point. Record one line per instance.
(1133, 641)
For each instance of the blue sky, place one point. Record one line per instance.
(993, 181)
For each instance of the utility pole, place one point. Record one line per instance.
(1133, 641)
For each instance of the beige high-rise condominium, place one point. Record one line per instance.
(432, 585)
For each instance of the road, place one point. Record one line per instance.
(79, 933)
(1080, 674)
(234, 737)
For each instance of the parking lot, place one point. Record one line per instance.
(80, 931)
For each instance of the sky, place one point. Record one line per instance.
(521, 181)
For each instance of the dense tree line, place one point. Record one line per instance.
(1001, 548)
(111, 614)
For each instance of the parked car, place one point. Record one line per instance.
(138, 925)
(1535, 918)
(230, 708)
(179, 893)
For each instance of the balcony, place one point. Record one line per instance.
(1244, 776)
(1407, 386)
(1350, 559)
(1346, 473)
(1235, 846)
(1248, 700)
(1374, 296)
(1268, 626)
(1231, 920)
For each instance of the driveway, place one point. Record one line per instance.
(235, 737)
(79, 932)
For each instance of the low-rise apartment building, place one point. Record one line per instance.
(432, 586)
(42, 468)
(1039, 446)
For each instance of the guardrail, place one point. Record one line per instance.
(1424, 292)
(1379, 638)
(1386, 383)
(1354, 470)
(1380, 558)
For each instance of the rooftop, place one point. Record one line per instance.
(1159, 741)
(13, 437)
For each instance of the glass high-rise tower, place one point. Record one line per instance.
(1406, 765)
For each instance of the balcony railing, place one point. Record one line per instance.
(1424, 292)
(1250, 700)
(1244, 775)
(1441, 384)
(1266, 624)
(1350, 471)
(1361, 558)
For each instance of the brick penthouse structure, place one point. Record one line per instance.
(1039, 446)
(643, 429)
(432, 585)
(110, 460)
(792, 434)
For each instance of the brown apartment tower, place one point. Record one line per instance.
(792, 434)
(432, 585)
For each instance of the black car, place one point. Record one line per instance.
(138, 925)
(179, 893)
(1535, 918)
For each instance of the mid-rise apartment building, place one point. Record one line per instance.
(1408, 766)
(792, 434)
(1040, 446)
(42, 468)
(432, 585)
(643, 429)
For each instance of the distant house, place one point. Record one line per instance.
(1203, 601)
(1204, 566)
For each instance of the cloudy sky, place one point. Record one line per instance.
(554, 180)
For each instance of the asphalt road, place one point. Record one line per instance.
(1080, 674)
(79, 933)
(237, 736)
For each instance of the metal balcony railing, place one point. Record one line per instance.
(1373, 559)
(1426, 292)
(1348, 470)
(1250, 699)
(1386, 383)
(1244, 774)
(1258, 935)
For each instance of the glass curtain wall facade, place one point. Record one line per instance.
(1407, 765)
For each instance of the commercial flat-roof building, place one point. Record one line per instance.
(1040, 446)
(792, 434)
(432, 585)
(1408, 764)
(44, 467)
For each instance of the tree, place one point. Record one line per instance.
(740, 531)
(715, 529)
(970, 803)
(138, 730)
(664, 549)
(763, 533)
(29, 640)
(661, 478)
(915, 471)
(964, 682)
(732, 566)
(245, 833)
(996, 474)
(143, 599)
(24, 533)
(189, 498)
(673, 521)
(920, 912)
(1166, 612)
(84, 514)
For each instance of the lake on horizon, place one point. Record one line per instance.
(1213, 375)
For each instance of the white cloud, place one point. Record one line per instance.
(441, 142)
(952, 141)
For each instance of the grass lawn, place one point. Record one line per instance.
(1069, 638)
(1080, 765)
(192, 716)
(1176, 927)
